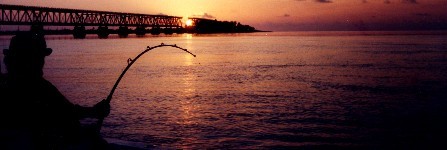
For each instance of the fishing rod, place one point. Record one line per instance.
(130, 62)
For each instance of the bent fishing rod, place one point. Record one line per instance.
(130, 62)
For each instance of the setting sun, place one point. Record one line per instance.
(268, 74)
(189, 22)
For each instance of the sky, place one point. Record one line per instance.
(282, 15)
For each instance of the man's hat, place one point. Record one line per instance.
(28, 44)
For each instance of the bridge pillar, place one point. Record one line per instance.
(168, 31)
(37, 29)
(155, 30)
(179, 30)
(103, 32)
(79, 32)
(140, 31)
(123, 31)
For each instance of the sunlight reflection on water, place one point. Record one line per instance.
(252, 91)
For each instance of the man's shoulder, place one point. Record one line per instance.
(47, 85)
(2, 81)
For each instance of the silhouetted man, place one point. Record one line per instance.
(34, 114)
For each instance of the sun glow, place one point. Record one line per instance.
(189, 22)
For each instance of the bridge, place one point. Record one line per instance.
(38, 17)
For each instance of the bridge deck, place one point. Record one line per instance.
(29, 15)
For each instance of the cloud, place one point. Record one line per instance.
(286, 15)
(410, 1)
(389, 2)
(324, 1)
(319, 1)
(205, 15)
(422, 14)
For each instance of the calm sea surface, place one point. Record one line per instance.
(263, 90)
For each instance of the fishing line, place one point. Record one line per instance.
(130, 62)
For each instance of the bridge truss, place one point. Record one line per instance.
(31, 15)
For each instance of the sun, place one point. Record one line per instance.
(189, 22)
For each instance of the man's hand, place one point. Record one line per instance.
(102, 109)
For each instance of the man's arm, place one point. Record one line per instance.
(99, 110)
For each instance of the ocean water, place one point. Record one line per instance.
(268, 90)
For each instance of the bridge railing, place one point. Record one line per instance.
(29, 15)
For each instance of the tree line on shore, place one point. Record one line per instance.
(215, 26)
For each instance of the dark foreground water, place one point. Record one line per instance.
(360, 90)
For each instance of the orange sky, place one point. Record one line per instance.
(278, 15)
